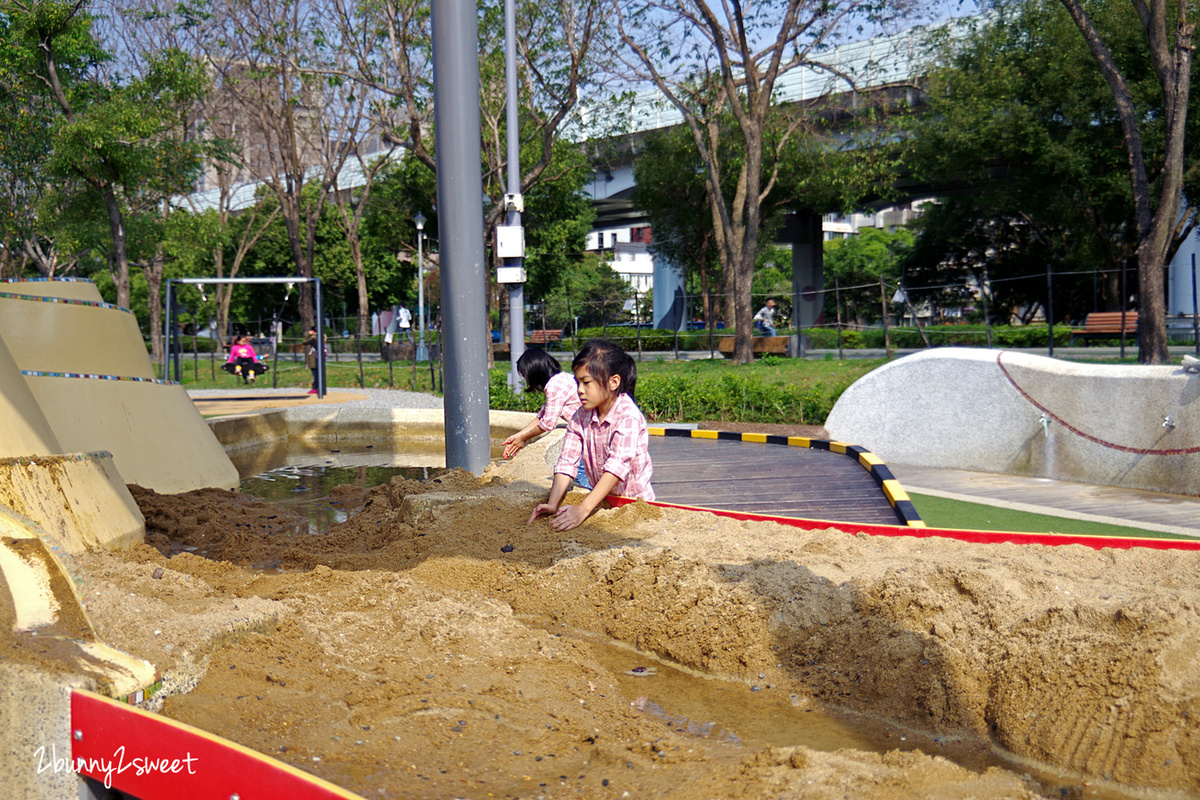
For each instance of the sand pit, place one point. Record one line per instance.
(434, 646)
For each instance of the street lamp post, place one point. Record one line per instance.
(422, 354)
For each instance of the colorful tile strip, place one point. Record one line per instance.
(33, 373)
(63, 300)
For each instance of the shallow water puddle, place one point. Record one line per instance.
(306, 490)
(760, 715)
(302, 480)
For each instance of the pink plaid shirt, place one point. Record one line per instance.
(619, 444)
(562, 401)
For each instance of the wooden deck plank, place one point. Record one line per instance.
(771, 479)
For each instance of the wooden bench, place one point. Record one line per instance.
(763, 345)
(545, 336)
(1106, 325)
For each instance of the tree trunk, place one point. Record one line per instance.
(1155, 222)
(154, 304)
(119, 257)
(364, 301)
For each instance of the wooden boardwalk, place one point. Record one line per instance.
(761, 478)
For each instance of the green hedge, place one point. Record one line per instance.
(943, 336)
(652, 338)
(737, 398)
(871, 338)
(733, 397)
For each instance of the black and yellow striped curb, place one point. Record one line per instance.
(891, 487)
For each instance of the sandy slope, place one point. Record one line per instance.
(430, 647)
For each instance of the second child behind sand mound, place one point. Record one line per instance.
(608, 435)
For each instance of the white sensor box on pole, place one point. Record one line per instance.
(510, 241)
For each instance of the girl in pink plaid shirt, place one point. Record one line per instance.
(541, 373)
(608, 434)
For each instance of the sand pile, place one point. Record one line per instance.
(430, 646)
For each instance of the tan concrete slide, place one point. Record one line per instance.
(82, 416)
(85, 366)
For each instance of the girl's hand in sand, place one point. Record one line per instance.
(512, 445)
(568, 517)
(543, 508)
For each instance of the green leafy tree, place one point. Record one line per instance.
(122, 143)
(1076, 165)
(853, 267)
(1018, 112)
(1157, 183)
(592, 294)
(716, 62)
(670, 188)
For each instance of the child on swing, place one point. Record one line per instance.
(608, 435)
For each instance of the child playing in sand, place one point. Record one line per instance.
(543, 374)
(608, 435)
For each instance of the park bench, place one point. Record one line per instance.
(1106, 325)
(545, 337)
(763, 345)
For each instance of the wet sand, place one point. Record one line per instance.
(435, 645)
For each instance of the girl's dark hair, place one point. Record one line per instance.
(537, 367)
(603, 359)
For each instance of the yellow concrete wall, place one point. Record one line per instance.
(157, 438)
(79, 501)
(25, 430)
(65, 337)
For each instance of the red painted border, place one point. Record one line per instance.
(157, 758)
(977, 537)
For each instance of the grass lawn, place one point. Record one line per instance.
(940, 512)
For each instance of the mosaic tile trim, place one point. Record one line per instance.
(46, 280)
(22, 461)
(63, 300)
(36, 373)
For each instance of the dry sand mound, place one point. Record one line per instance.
(427, 648)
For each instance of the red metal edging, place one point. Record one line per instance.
(974, 537)
(157, 758)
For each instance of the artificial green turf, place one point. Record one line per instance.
(940, 512)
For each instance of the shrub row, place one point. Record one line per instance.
(736, 398)
(872, 338)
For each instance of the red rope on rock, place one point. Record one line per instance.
(1145, 451)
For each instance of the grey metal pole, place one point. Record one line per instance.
(421, 354)
(173, 342)
(319, 310)
(460, 232)
(1195, 310)
(1050, 311)
(166, 372)
(516, 291)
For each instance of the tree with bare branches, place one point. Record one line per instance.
(390, 43)
(713, 62)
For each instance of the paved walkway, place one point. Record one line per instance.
(1107, 504)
